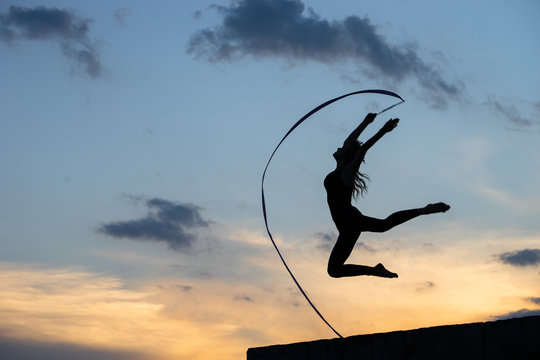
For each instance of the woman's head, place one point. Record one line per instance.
(347, 152)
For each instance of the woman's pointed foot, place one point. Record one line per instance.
(380, 270)
(436, 208)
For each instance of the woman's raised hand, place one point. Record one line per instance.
(369, 118)
(390, 125)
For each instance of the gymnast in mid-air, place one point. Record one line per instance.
(346, 182)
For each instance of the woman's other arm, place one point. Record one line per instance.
(363, 125)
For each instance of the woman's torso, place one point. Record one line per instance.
(338, 195)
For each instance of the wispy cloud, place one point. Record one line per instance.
(19, 349)
(243, 298)
(166, 221)
(82, 300)
(508, 111)
(62, 26)
(40, 304)
(285, 29)
(121, 14)
(425, 286)
(327, 240)
(535, 300)
(70, 313)
(525, 257)
(518, 314)
(536, 105)
(185, 288)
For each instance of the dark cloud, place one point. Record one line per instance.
(197, 15)
(56, 25)
(508, 111)
(536, 105)
(285, 29)
(524, 257)
(166, 221)
(121, 14)
(327, 240)
(243, 298)
(518, 314)
(293, 296)
(26, 350)
(535, 300)
(184, 288)
(426, 286)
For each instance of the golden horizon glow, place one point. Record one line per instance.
(438, 285)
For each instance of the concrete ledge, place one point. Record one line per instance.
(504, 339)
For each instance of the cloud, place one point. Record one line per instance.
(518, 314)
(326, 242)
(121, 14)
(166, 221)
(27, 350)
(535, 300)
(72, 313)
(284, 29)
(243, 298)
(197, 15)
(523, 257)
(82, 300)
(185, 288)
(51, 24)
(426, 286)
(508, 111)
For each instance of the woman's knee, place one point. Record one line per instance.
(334, 270)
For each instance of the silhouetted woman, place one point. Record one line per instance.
(345, 182)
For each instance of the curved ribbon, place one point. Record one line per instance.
(305, 117)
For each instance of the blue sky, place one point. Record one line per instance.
(133, 139)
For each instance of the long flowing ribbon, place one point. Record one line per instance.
(305, 117)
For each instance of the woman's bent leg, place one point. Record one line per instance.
(341, 252)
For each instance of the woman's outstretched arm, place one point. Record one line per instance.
(353, 166)
(363, 125)
(389, 126)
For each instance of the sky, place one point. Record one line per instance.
(133, 138)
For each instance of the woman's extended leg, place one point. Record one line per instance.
(349, 235)
(397, 218)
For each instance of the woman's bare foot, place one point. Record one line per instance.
(436, 208)
(381, 271)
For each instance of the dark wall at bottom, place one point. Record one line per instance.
(504, 339)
